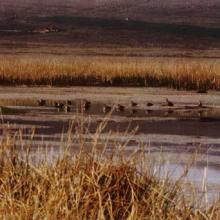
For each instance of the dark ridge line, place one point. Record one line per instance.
(191, 30)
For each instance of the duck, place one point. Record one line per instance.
(134, 104)
(169, 103)
(106, 108)
(200, 105)
(149, 104)
(86, 105)
(56, 104)
(69, 102)
(41, 102)
(200, 113)
(67, 108)
(59, 105)
(120, 108)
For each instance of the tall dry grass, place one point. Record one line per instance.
(173, 73)
(90, 184)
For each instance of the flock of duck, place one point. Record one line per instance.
(86, 105)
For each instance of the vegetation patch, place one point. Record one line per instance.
(172, 73)
(90, 184)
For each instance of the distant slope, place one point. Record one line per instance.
(167, 27)
(99, 32)
(196, 12)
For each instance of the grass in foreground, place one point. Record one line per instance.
(89, 185)
(173, 73)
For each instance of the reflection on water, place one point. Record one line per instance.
(178, 111)
(204, 180)
(178, 124)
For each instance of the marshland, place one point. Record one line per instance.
(109, 109)
(174, 73)
(176, 146)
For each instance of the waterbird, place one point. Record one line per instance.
(200, 105)
(106, 108)
(67, 108)
(86, 105)
(149, 104)
(59, 105)
(41, 102)
(120, 108)
(169, 103)
(69, 102)
(134, 104)
(56, 104)
(201, 113)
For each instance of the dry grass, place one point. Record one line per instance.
(173, 73)
(91, 184)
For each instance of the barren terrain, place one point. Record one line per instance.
(203, 13)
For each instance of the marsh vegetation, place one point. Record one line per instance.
(186, 74)
(91, 183)
(97, 171)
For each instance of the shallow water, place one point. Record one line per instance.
(177, 132)
(201, 181)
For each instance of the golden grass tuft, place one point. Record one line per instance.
(90, 184)
(173, 73)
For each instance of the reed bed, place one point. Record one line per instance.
(173, 73)
(89, 184)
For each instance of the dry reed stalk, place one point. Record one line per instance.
(174, 73)
(90, 184)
